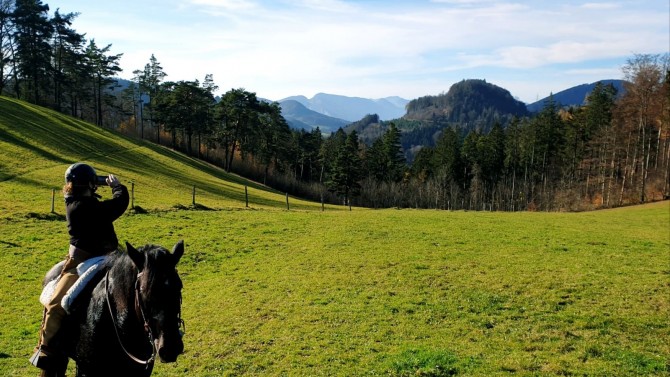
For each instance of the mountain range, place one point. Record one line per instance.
(330, 112)
(574, 96)
(299, 117)
(352, 108)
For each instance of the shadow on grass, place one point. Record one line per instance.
(196, 207)
(63, 139)
(11, 139)
(46, 216)
(137, 210)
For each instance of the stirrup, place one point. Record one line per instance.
(46, 359)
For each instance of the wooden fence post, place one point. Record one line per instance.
(246, 196)
(132, 195)
(53, 199)
(288, 208)
(322, 205)
(194, 195)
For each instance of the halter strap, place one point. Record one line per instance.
(147, 328)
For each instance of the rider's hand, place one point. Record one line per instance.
(112, 181)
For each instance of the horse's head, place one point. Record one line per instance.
(160, 295)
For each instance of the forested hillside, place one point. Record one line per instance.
(474, 147)
(574, 96)
(470, 104)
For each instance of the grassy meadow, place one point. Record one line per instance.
(337, 293)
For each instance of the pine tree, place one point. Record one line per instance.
(6, 41)
(393, 155)
(375, 161)
(67, 55)
(149, 83)
(237, 113)
(103, 68)
(347, 172)
(183, 106)
(33, 32)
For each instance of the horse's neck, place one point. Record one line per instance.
(123, 297)
(112, 323)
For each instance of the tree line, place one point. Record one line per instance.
(614, 150)
(45, 61)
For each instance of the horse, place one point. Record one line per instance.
(134, 313)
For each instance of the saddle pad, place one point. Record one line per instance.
(86, 271)
(90, 267)
(48, 291)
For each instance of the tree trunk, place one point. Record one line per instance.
(625, 169)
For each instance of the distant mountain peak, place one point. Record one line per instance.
(574, 96)
(352, 108)
(298, 116)
(472, 103)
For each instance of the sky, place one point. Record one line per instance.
(376, 48)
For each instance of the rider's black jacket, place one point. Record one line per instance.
(90, 221)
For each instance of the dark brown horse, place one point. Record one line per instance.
(134, 314)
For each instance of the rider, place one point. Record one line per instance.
(91, 229)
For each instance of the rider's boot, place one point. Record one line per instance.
(44, 356)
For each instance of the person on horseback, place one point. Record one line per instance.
(90, 226)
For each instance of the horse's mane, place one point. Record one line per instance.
(122, 268)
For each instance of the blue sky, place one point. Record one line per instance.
(375, 48)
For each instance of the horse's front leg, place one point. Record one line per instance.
(55, 372)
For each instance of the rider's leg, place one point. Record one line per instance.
(54, 313)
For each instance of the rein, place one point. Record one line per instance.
(147, 328)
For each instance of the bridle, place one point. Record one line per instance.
(139, 306)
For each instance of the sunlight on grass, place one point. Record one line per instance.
(303, 292)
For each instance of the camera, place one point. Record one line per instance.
(101, 180)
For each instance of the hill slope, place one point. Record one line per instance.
(574, 96)
(367, 292)
(37, 145)
(300, 117)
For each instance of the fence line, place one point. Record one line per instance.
(193, 198)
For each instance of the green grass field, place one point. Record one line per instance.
(310, 293)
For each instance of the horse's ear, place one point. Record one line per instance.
(178, 251)
(136, 256)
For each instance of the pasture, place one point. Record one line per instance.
(336, 293)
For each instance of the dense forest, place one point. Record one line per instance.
(473, 104)
(474, 147)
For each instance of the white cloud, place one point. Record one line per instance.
(326, 5)
(462, 2)
(305, 46)
(601, 6)
(227, 4)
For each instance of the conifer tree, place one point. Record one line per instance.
(67, 56)
(375, 160)
(183, 106)
(6, 41)
(347, 172)
(33, 32)
(102, 68)
(393, 155)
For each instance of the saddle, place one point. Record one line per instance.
(86, 270)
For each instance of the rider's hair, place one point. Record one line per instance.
(70, 189)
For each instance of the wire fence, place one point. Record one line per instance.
(194, 201)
